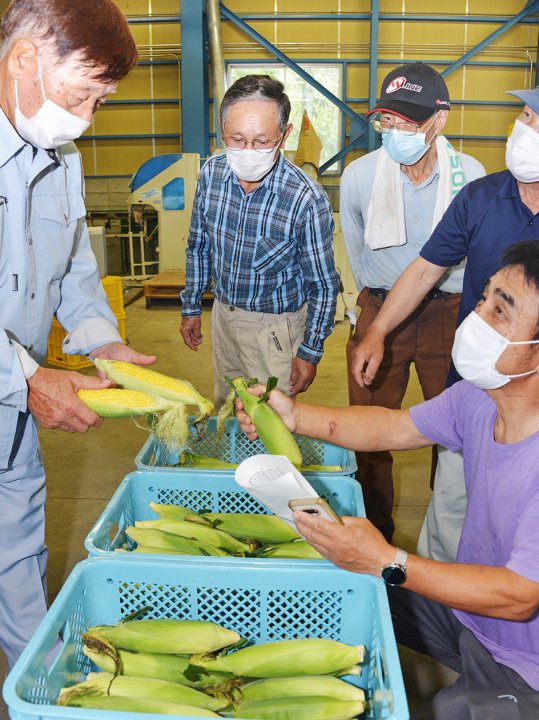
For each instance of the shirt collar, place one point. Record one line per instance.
(10, 140)
(509, 186)
(11, 143)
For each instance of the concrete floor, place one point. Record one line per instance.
(83, 471)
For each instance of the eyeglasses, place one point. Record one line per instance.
(237, 143)
(383, 124)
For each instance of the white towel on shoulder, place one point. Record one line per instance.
(385, 216)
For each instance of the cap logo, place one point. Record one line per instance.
(395, 84)
(400, 83)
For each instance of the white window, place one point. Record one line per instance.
(324, 115)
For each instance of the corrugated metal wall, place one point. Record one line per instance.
(147, 104)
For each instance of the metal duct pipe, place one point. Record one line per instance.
(217, 60)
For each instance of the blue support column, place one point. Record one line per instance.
(194, 79)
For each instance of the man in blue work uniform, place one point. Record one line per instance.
(486, 217)
(59, 60)
(263, 232)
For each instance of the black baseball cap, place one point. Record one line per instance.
(414, 92)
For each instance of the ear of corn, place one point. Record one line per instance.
(137, 687)
(154, 665)
(195, 531)
(189, 459)
(180, 637)
(153, 537)
(99, 701)
(309, 685)
(264, 528)
(300, 708)
(175, 512)
(135, 377)
(297, 549)
(286, 658)
(275, 436)
(117, 403)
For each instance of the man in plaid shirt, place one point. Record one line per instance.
(262, 231)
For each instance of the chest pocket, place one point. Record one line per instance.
(273, 254)
(6, 252)
(56, 227)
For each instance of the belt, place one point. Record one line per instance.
(381, 293)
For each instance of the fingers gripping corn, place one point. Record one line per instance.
(275, 436)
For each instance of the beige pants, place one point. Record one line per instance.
(253, 344)
(442, 527)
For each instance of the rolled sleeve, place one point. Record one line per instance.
(89, 335)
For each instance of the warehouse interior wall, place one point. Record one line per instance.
(143, 118)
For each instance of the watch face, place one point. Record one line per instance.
(394, 575)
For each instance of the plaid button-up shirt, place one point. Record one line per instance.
(268, 251)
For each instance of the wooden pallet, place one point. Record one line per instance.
(165, 287)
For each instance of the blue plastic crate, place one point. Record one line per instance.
(234, 446)
(277, 604)
(212, 491)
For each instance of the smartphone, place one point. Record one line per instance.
(315, 506)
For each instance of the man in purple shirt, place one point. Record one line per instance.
(478, 615)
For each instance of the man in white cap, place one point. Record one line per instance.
(486, 217)
(391, 200)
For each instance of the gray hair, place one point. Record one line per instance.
(96, 31)
(257, 87)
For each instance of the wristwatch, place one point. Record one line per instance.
(394, 574)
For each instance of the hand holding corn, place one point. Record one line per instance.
(283, 405)
(119, 351)
(147, 392)
(52, 399)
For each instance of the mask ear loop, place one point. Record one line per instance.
(40, 75)
(523, 342)
(40, 72)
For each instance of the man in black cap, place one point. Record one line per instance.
(488, 216)
(391, 200)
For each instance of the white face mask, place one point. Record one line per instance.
(251, 165)
(476, 351)
(51, 126)
(522, 153)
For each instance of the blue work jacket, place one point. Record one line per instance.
(47, 268)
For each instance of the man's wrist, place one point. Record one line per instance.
(394, 572)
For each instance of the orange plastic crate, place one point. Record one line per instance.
(56, 357)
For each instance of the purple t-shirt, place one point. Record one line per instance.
(501, 527)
